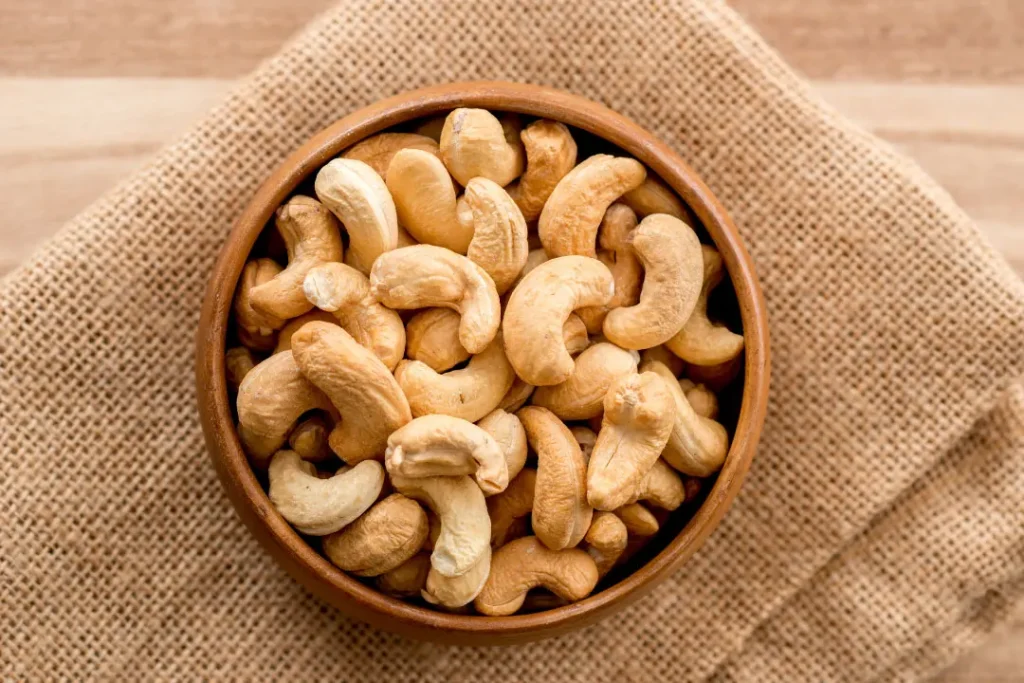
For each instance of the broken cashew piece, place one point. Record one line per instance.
(257, 323)
(616, 253)
(499, 232)
(550, 155)
(639, 520)
(238, 361)
(309, 439)
(654, 196)
(284, 337)
(358, 197)
(378, 151)
(702, 399)
(407, 579)
(456, 591)
(475, 144)
(424, 197)
(606, 540)
(582, 395)
(432, 337)
(515, 502)
(506, 429)
(388, 534)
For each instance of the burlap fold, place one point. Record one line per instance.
(878, 536)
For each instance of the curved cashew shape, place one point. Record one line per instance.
(432, 337)
(550, 155)
(388, 534)
(654, 196)
(516, 397)
(539, 307)
(671, 255)
(606, 540)
(702, 400)
(570, 219)
(378, 151)
(456, 591)
(309, 439)
(257, 323)
(425, 275)
(271, 398)
(317, 506)
(358, 197)
(506, 429)
(663, 355)
(284, 337)
(639, 520)
(499, 232)
(475, 144)
(515, 502)
(443, 446)
(701, 341)
(424, 198)
(465, 525)
(407, 579)
(359, 385)
(238, 361)
(638, 419)
(561, 514)
(574, 335)
(524, 564)
(662, 487)
(696, 445)
(586, 438)
(616, 253)
(582, 395)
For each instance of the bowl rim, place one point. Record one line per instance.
(299, 558)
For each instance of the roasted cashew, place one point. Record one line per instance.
(499, 232)
(359, 385)
(475, 144)
(561, 514)
(662, 487)
(257, 323)
(586, 438)
(515, 502)
(539, 307)
(407, 579)
(378, 151)
(425, 275)
(534, 258)
(516, 397)
(317, 506)
(574, 335)
(424, 198)
(639, 520)
(309, 439)
(238, 361)
(550, 155)
(388, 534)
(570, 219)
(654, 196)
(359, 198)
(638, 419)
(616, 253)
(524, 564)
(606, 540)
(660, 353)
(582, 395)
(284, 337)
(671, 255)
(506, 429)
(456, 591)
(432, 337)
(702, 400)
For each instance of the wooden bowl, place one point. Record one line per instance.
(676, 543)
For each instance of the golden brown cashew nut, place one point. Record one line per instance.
(425, 275)
(670, 253)
(257, 323)
(517, 396)
(499, 232)
(506, 429)
(701, 341)
(456, 591)
(432, 337)
(662, 487)
(309, 439)
(570, 219)
(284, 337)
(524, 564)
(606, 540)
(359, 385)
(639, 520)
(638, 418)
(271, 399)
(561, 514)
(407, 579)
(443, 446)
(238, 361)
(425, 200)
(616, 253)
(475, 144)
(515, 502)
(586, 438)
(345, 292)
(550, 155)
(702, 400)
(317, 506)
(378, 151)
(663, 355)
(654, 196)
(582, 395)
(538, 309)
(358, 197)
(388, 534)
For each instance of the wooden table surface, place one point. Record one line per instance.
(91, 89)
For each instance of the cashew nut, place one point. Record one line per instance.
(716, 377)
(574, 335)
(586, 438)
(606, 540)
(702, 400)
(284, 337)
(534, 258)
(616, 253)
(570, 219)
(456, 591)
(662, 487)
(407, 579)
(506, 429)
(701, 341)
(425, 275)
(515, 502)
(550, 155)
(378, 151)
(639, 520)
(432, 337)
(660, 353)
(561, 514)
(582, 395)
(238, 361)
(309, 439)
(475, 144)
(424, 197)
(359, 385)
(435, 531)
(524, 564)
(499, 232)
(539, 307)
(359, 198)
(444, 446)
(638, 419)
(317, 506)
(390, 532)
(654, 196)
(257, 323)
(671, 255)
(516, 397)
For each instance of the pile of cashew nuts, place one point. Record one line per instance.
(382, 385)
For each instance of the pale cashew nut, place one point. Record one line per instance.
(671, 255)
(475, 144)
(616, 253)
(538, 309)
(702, 400)
(309, 439)
(574, 335)
(284, 337)
(506, 429)
(499, 232)
(443, 446)
(378, 151)
(582, 395)
(526, 563)
(586, 438)
(606, 540)
(456, 591)
(359, 385)
(425, 275)
(662, 354)
(700, 341)
(516, 397)
(561, 514)
(570, 219)
(639, 520)
(424, 197)
(550, 155)
(257, 323)
(407, 579)
(638, 418)
(662, 487)
(515, 502)
(317, 506)
(359, 198)
(435, 531)
(388, 534)
(432, 337)
(238, 361)
(654, 196)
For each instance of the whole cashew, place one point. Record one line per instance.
(654, 196)
(662, 487)
(424, 198)
(716, 377)
(670, 253)
(499, 232)
(524, 564)
(561, 514)
(606, 540)
(407, 579)
(443, 446)
(388, 534)
(638, 419)
(309, 439)
(586, 438)
(432, 337)
(662, 354)
(702, 400)
(570, 219)
(359, 198)
(539, 307)
(238, 361)
(378, 151)
(456, 591)
(639, 520)
(465, 525)
(506, 429)
(550, 155)
(616, 253)
(515, 502)
(284, 337)
(516, 397)
(475, 144)
(257, 323)
(317, 506)
(311, 236)
(582, 395)
(359, 385)
(701, 341)
(425, 275)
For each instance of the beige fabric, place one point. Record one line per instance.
(879, 533)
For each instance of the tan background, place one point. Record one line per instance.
(89, 90)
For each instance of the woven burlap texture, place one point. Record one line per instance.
(878, 535)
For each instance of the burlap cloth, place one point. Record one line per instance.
(879, 534)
